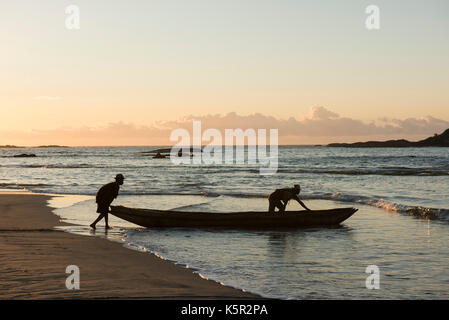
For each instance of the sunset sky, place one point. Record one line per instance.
(135, 70)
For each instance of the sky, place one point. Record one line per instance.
(136, 70)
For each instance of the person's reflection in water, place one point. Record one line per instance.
(283, 244)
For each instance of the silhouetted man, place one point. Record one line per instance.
(280, 197)
(105, 196)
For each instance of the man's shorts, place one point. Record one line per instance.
(103, 207)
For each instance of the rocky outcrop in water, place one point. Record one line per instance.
(24, 155)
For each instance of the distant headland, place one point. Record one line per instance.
(438, 140)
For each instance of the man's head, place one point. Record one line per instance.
(297, 188)
(119, 178)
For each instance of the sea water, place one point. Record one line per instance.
(395, 189)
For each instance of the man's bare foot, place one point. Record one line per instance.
(108, 227)
(92, 227)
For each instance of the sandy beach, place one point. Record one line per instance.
(34, 257)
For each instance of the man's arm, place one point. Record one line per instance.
(302, 204)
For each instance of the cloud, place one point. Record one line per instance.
(320, 123)
(319, 126)
(320, 113)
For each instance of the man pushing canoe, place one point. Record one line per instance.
(104, 198)
(280, 197)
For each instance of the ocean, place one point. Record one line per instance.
(402, 225)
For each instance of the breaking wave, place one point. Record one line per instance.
(416, 211)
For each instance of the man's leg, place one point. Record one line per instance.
(282, 206)
(277, 204)
(98, 219)
(106, 220)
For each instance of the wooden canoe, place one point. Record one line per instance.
(150, 218)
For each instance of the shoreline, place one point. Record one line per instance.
(34, 256)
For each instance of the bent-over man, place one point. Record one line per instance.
(280, 197)
(104, 198)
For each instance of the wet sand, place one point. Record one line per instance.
(34, 257)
